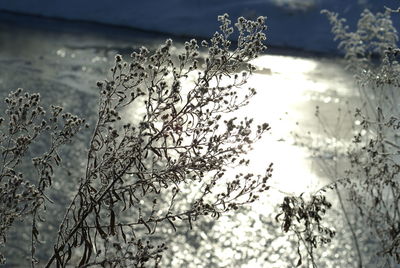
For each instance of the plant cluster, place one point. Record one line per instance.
(139, 167)
(363, 167)
(25, 122)
(304, 218)
(373, 177)
(368, 185)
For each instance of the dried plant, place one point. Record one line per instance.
(139, 167)
(25, 122)
(370, 184)
(373, 179)
(304, 218)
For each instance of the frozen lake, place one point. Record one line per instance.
(63, 61)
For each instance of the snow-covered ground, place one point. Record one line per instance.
(292, 23)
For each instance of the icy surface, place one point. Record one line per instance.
(292, 23)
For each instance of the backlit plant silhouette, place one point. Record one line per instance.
(163, 126)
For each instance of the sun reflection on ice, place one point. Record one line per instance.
(277, 102)
(284, 85)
